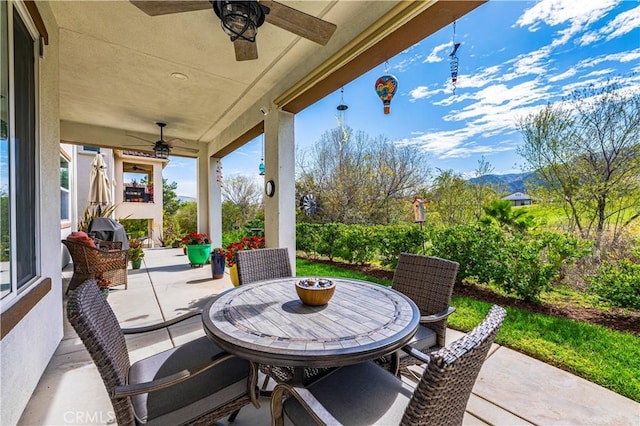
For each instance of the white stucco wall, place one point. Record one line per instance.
(27, 349)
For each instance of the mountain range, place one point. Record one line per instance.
(513, 182)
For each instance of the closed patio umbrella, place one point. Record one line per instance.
(99, 185)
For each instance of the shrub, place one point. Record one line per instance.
(618, 284)
(329, 236)
(357, 244)
(478, 250)
(529, 274)
(396, 239)
(308, 235)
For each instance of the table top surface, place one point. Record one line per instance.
(266, 322)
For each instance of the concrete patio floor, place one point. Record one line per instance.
(512, 389)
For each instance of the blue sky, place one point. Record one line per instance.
(515, 56)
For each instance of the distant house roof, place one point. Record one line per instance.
(517, 196)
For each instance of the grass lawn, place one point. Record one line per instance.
(607, 357)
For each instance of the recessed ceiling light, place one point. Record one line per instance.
(179, 76)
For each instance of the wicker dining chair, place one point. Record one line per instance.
(193, 383)
(368, 394)
(107, 258)
(264, 264)
(428, 281)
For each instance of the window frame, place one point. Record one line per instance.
(66, 223)
(16, 292)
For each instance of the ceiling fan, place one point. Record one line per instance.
(162, 148)
(241, 19)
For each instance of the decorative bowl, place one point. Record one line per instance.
(315, 291)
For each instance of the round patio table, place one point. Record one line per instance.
(267, 323)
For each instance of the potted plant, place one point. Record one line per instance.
(245, 243)
(135, 253)
(198, 248)
(217, 263)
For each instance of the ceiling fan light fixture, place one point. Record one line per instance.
(161, 150)
(239, 19)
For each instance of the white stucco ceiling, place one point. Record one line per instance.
(116, 65)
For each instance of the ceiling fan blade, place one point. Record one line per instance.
(245, 50)
(159, 7)
(138, 137)
(299, 23)
(181, 145)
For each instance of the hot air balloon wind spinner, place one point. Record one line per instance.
(386, 87)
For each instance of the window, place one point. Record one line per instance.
(19, 153)
(65, 203)
(91, 148)
(5, 229)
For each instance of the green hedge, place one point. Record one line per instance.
(520, 264)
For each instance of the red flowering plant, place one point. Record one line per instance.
(195, 238)
(246, 243)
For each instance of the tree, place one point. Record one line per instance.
(452, 198)
(513, 220)
(187, 217)
(170, 201)
(586, 152)
(170, 204)
(483, 194)
(358, 179)
(242, 192)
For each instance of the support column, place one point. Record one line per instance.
(203, 193)
(279, 159)
(215, 202)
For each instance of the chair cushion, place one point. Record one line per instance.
(424, 338)
(82, 238)
(360, 394)
(204, 392)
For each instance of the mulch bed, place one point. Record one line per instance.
(612, 319)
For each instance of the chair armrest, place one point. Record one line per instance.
(439, 316)
(416, 354)
(168, 381)
(309, 402)
(159, 326)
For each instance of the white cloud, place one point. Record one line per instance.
(556, 12)
(567, 74)
(622, 24)
(627, 56)
(597, 73)
(531, 63)
(434, 55)
(464, 152)
(578, 15)
(422, 92)
(403, 65)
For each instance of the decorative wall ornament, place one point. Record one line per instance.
(219, 172)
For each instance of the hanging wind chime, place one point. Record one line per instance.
(261, 166)
(386, 87)
(341, 117)
(453, 60)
